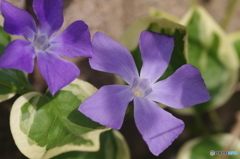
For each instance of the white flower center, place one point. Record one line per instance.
(141, 87)
(41, 42)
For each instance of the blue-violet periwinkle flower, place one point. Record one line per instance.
(42, 43)
(182, 89)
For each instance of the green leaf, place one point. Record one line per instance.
(113, 146)
(211, 52)
(5, 94)
(199, 148)
(158, 25)
(11, 82)
(235, 40)
(44, 126)
(5, 39)
(203, 147)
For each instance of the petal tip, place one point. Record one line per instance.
(53, 91)
(155, 147)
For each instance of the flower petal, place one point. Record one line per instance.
(156, 51)
(158, 127)
(182, 89)
(73, 41)
(18, 21)
(20, 55)
(110, 56)
(49, 14)
(108, 105)
(56, 71)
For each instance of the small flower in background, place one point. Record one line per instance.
(42, 43)
(182, 89)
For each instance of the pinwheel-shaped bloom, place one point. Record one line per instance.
(182, 89)
(42, 43)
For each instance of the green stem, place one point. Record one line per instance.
(228, 13)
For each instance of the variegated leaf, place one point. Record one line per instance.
(44, 126)
(12, 82)
(200, 147)
(158, 13)
(113, 146)
(210, 50)
(235, 40)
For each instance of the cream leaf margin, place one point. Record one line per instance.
(33, 151)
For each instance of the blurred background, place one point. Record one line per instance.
(112, 17)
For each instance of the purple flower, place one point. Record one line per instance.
(42, 43)
(182, 89)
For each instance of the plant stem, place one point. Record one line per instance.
(228, 13)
